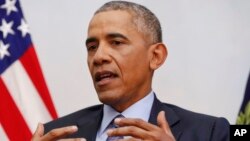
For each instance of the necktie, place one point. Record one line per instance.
(113, 125)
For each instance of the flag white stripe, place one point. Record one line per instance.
(3, 136)
(25, 95)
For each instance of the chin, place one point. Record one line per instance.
(107, 98)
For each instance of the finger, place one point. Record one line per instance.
(59, 133)
(135, 122)
(132, 131)
(76, 139)
(39, 132)
(130, 139)
(162, 122)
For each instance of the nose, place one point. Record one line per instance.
(102, 55)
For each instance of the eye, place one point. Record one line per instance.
(92, 46)
(116, 43)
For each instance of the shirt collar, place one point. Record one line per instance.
(141, 109)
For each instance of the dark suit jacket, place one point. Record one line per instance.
(185, 125)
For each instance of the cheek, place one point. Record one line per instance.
(131, 62)
(90, 67)
(134, 67)
(89, 62)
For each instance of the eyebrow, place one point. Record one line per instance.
(110, 35)
(116, 35)
(89, 40)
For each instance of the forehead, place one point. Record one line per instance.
(111, 21)
(113, 14)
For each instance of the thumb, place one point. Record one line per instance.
(162, 122)
(39, 130)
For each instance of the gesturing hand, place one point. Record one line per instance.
(142, 130)
(55, 134)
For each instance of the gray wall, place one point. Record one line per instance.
(208, 42)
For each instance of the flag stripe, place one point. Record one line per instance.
(11, 118)
(25, 95)
(3, 136)
(32, 67)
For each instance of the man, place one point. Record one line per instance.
(124, 48)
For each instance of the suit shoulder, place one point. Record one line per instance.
(73, 118)
(185, 114)
(208, 127)
(194, 120)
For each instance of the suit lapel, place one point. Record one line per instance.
(89, 126)
(172, 118)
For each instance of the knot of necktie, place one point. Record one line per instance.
(113, 125)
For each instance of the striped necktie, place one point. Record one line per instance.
(113, 125)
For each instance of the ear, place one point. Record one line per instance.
(158, 55)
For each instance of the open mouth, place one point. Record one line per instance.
(99, 76)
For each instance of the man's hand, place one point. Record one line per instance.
(142, 130)
(55, 134)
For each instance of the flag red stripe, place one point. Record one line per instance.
(31, 64)
(11, 118)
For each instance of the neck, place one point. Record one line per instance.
(120, 106)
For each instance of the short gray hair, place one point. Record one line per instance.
(145, 21)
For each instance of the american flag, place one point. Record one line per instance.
(24, 96)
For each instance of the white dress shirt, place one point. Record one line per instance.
(141, 109)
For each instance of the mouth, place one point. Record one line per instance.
(104, 76)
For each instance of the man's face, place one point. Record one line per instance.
(118, 59)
